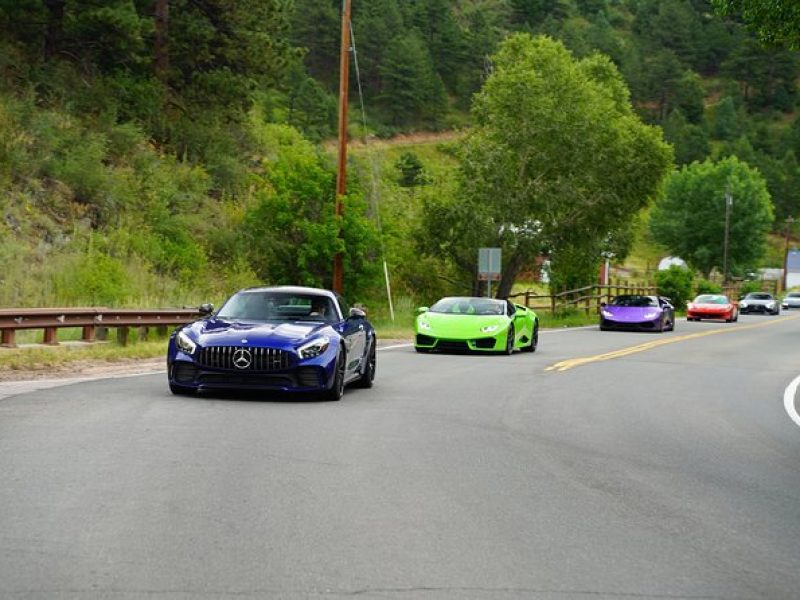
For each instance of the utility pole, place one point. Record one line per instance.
(728, 205)
(341, 171)
(789, 221)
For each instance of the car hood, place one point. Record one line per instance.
(709, 306)
(631, 314)
(460, 326)
(221, 332)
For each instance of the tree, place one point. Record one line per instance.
(690, 141)
(411, 92)
(291, 232)
(690, 218)
(557, 159)
(774, 22)
(726, 119)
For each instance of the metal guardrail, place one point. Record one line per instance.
(95, 321)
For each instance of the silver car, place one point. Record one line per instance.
(791, 300)
(759, 302)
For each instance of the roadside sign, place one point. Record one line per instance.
(489, 261)
(489, 266)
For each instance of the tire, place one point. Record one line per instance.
(736, 318)
(180, 390)
(662, 326)
(534, 339)
(509, 341)
(368, 374)
(337, 389)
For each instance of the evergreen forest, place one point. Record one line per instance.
(168, 152)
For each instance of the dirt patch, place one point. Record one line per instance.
(85, 368)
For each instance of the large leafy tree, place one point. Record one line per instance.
(775, 22)
(690, 218)
(557, 160)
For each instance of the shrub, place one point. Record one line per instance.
(704, 286)
(676, 284)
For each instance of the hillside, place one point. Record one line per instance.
(150, 163)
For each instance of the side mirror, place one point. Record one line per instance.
(422, 309)
(603, 305)
(206, 309)
(357, 313)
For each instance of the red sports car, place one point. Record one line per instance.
(712, 306)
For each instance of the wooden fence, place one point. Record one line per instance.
(586, 298)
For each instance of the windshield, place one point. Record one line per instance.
(640, 301)
(470, 306)
(711, 299)
(755, 296)
(278, 306)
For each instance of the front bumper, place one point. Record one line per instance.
(485, 344)
(758, 308)
(628, 326)
(188, 374)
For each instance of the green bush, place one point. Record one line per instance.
(704, 286)
(676, 284)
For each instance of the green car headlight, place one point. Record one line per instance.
(490, 328)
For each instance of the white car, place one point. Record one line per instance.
(760, 302)
(791, 300)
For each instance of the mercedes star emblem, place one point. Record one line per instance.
(242, 358)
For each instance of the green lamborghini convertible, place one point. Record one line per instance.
(478, 324)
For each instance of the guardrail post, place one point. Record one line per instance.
(101, 333)
(161, 330)
(88, 333)
(143, 334)
(50, 336)
(7, 338)
(122, 336)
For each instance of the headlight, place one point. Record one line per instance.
(742, 304)
(648, 316)
(490, 328)
(770, 305)
(314, 347)
(424, 325)
(185, 343)
(606, 313)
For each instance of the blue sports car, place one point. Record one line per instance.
(289, 339)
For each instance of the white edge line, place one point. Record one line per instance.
(788, 400)
(395, 346)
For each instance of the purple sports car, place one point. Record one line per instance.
(641, 313)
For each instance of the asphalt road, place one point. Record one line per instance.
(668, 471)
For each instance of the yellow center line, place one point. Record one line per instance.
(584, 360)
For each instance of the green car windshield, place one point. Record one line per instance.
(469, 306)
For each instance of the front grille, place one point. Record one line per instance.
(452, 346)
(244, 358)
(485, 343)
(629, 326)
